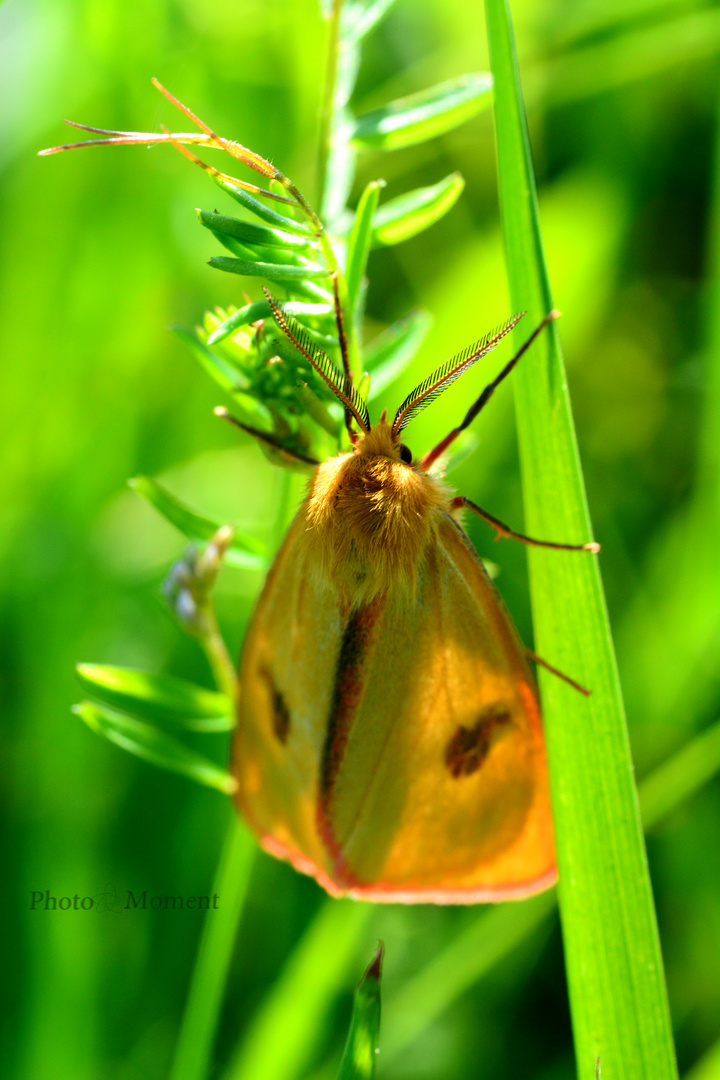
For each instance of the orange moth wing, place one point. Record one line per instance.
(389, 739)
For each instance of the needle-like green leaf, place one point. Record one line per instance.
(220, 370)
(155, 746)
(193, 1053)
(160, 698)
(271, 271)
(251, 233)
(260, 210)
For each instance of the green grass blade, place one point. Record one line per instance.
(159, 698)
(155, 746)
(423, 116)
(249, 313)
(286, 1029)
(708, 1067)
(361, 1048)
(243, 551)
(202, 1012)
(680, 776)
(628, 57)
(360, 239)
(490, 937)
(228, 376)
(676, 630)
(617, 991)
(412, 213)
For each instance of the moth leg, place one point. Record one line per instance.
(342, 341)
(554, 671)
(264, 437)
(502, 529)
(432, 455)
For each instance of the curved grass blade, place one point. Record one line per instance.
(244, 551)
(617, 991)
(301, 997)
(155, 746)
(220, 370)
(687, 770)
(708, 1067)
(160, 698)
(401, 218)
(361, 1048)
(422, 116)
(489, 938)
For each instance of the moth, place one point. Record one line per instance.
(389, 738)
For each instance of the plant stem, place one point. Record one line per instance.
(221, 664)
(202, 1011)
(327, 113)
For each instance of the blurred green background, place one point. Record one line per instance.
(101, 252)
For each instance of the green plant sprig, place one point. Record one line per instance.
(274, 393)
(306, 257)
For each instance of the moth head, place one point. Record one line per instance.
(380, 441)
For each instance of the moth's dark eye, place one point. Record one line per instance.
(405, 454)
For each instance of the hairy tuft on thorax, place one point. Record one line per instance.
(370, 517)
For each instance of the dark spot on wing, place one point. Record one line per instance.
(469, 746)
(280, 711)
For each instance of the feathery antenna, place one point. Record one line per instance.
(340, 384)
(431, 388)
